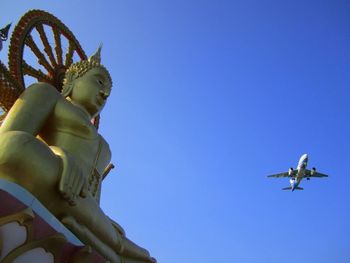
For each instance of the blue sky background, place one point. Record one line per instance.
(210, 97)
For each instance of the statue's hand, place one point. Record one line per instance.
(72, 182)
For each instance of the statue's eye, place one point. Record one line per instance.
(100, 82)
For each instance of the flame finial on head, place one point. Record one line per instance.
(97, 56)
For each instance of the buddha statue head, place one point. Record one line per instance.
(88, 83)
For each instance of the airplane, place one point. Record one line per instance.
(299, 174)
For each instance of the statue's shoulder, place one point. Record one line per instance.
(41, 90)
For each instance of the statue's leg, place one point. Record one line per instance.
(28, 162)
(89, 215)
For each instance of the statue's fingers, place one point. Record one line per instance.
(70, 194)
(74, 173)
(72, 181)
(76, 178)
(67, 183)
(79, 185)
(84, 189)
(63, 184)
(79, 188)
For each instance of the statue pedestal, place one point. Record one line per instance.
(30, 233)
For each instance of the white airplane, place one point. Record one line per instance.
(299, 174)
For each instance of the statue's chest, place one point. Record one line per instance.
(70, 119)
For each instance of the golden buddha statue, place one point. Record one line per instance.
(49, 145)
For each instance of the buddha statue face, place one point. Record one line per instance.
(88, 84)
(91, 90)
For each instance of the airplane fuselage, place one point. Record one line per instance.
(296, 180)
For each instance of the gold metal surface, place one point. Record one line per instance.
(49, 144)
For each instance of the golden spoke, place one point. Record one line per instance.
(41, 58)
(69, 55)
(36, 73)
(45, 41)
(58, 46)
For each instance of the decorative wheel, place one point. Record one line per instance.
(38, 37)
(52, 60)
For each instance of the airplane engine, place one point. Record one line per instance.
(290, 172)
(312, 172)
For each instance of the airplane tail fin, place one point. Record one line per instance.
(287, 188)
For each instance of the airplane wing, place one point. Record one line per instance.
(285, 174)
(309, 173)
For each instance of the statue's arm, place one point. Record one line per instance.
(31, 109)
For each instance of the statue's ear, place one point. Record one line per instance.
(68, 84)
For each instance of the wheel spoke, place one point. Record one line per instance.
(41, 58)
(36, 73)
(58, 46)
(47, 46)
(69, 55)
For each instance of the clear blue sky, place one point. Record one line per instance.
(210, 97)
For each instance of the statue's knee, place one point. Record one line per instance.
(23, 156)
(13, 146)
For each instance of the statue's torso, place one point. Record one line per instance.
(69, 129)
